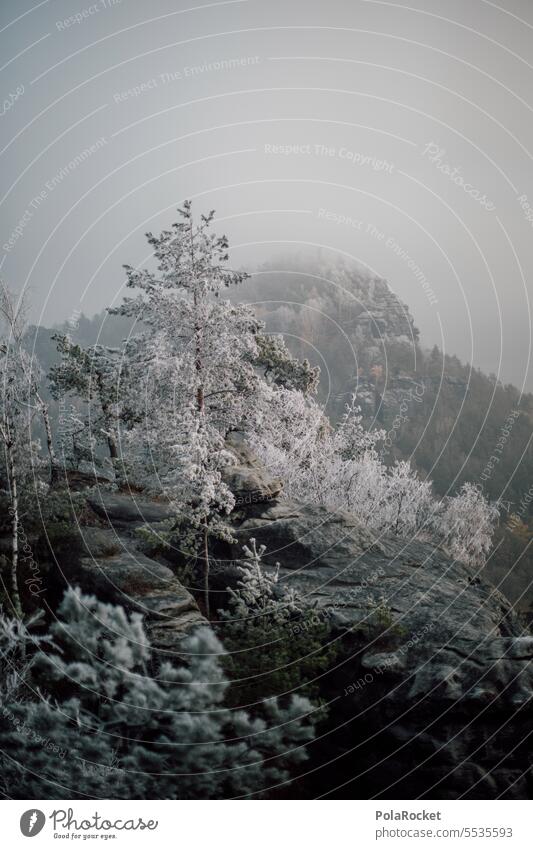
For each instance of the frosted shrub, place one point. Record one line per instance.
(466, 524)
(276, 643)
(340, 468)
(106, 727)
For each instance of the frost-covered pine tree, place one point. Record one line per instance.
(279, 367)
(204, 343)
(191, 372)
(258, 597)
(276, 641)
(94, 377)
(91, 721)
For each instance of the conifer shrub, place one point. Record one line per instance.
(276, 643)
(83, 717)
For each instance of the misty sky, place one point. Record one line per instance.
(399, 135)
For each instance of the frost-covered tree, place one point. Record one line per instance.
(191, 371)
(12, 431)
(17, 639)
(94, 377)
(276, 642)
(13, 315)
(191, 335)
(195, 367)
(76, 443)
(336, 467)
(409, 501)
(105, 727)
(280, 367)
(340, 468)
(258, 596)
(21, 467)
(465, 523)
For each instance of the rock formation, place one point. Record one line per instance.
(113, 567)
(431, 695)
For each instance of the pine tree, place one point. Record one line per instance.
(192, 373)
(105, 727)
(94, 377)
(276, 642)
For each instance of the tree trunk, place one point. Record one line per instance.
(206, 569)
(111, 440)
(197, 330)
(200, 399)
(200, 405)
(110, 418)
(198, 365)
(15, 597)
(43, 408)
(113, 453)
(49, 439)
(112, 446)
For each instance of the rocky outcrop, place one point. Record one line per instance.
(246, 477)
(397, 400)
(304, 537)
(384, 315)
(362, 303)
(114, 569)
(121, 510)
(431, 692)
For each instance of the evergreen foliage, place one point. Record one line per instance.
(276, 642)
(105, 727)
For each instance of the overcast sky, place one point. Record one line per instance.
(400, 135)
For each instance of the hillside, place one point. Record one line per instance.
(448, 418)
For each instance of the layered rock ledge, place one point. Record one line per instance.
(431, 695)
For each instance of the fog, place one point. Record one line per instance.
(399, 136)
